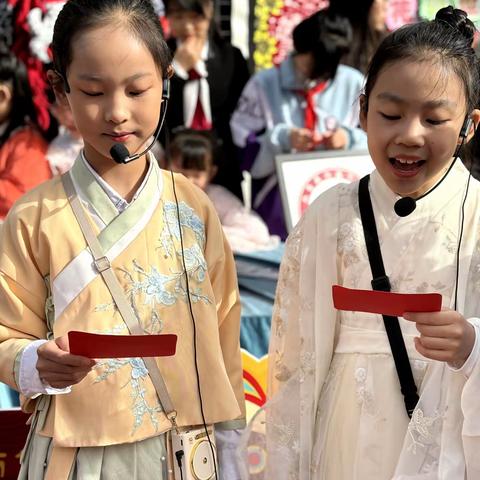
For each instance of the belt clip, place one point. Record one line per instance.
(172, 416)
(102, 264)
(381, 284)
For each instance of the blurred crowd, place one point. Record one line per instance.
(224, 125)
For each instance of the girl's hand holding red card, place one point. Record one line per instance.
(445, 335)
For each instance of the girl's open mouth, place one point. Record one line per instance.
(405, 167)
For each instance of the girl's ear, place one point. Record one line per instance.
(363, 111)
(5, 95)
(213, 172)
(170, 71)
(58, 85)
(475, 116)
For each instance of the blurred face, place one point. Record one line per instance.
(63, 115)
(115, 92)
(378, 15)
(186, 24)
(304, 63)
(415, 113)
(201, 178)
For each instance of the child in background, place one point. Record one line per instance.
(23, 164)
(65, 147)
(335, 409)
(191, 153)
(309, 102)
(209, 76)
(162, 242)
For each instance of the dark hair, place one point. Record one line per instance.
(196, 6)
(193, 149)
(357, 12)
(14, 72)
(80, 15)
(365, 39)
(327, 37)
(447, 40)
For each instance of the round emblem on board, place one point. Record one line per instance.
(321, 182)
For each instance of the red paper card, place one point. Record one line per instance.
(384, 303)
(93, 345)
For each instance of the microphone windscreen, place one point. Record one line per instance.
(405, 206)
(119, 153)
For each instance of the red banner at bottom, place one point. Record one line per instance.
(13, 434)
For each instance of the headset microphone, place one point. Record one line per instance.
(119, 152)
(406, 205)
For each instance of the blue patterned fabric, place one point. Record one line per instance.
(8, 397)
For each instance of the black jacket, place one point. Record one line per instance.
(227, 75)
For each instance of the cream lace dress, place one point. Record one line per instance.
(335, 410)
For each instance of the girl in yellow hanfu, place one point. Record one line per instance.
(103, 419)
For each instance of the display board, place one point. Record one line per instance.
(303, 177)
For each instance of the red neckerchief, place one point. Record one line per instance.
(199, 120)
(310, 118)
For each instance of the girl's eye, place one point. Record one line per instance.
(389, 117)
(137, 93)
(435, 122)
(92, 94)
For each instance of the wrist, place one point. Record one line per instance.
(471, 335)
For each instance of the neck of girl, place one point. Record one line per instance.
(125, 179)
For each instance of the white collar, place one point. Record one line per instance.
(120, 203)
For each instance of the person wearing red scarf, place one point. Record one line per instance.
(309, 102)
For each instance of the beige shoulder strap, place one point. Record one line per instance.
(102, 263)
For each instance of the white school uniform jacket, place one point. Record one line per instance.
(335, 409)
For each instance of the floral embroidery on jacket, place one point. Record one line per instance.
(137, 378)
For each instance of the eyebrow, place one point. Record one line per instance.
(391, 97)
(96, 78)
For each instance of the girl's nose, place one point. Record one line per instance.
(410, 133)
(117, 111)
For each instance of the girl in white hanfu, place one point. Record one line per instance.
(335, 409)
(103, 419)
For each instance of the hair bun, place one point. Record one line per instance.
(459, 20)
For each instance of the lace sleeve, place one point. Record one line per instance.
(271, 446)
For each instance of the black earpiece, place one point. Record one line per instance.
(166, 89)
(467, 125)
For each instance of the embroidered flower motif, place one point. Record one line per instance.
(364, 395)
(188, 219)
(286, 434)
(155, 287)
(282, 372)
(165, 289)
(350, 243)
(138, 377)
(307, 365)
(422, 429)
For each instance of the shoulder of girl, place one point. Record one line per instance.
(44, 197)
(325, 203)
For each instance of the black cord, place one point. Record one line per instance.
(194, 328)
(462, 221)
(179, 454)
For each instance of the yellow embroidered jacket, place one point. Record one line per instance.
(49, 286)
